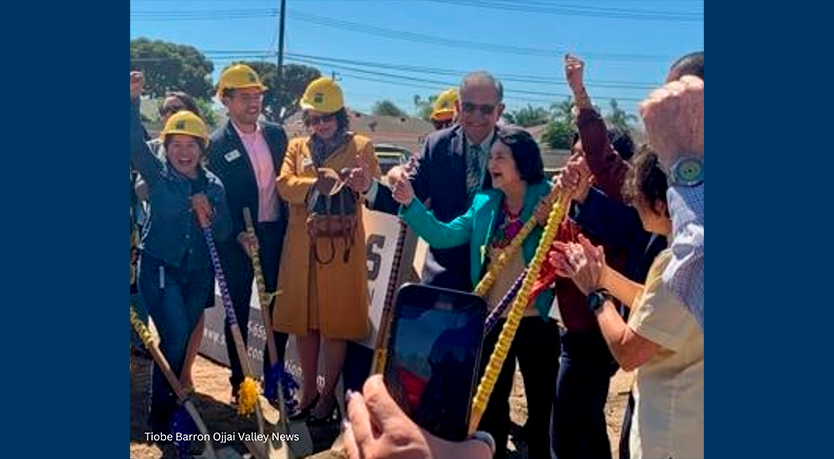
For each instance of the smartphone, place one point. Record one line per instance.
(434, 352)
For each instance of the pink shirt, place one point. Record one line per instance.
(261, 159)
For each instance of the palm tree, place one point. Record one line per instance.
(423, 107)
(619, 118)
(563, 110)
(528, 116)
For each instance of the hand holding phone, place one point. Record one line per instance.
(433, 356)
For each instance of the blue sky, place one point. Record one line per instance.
(624, 54)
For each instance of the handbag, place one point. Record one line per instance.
(332, 216)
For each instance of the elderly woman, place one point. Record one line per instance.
(323, 275)
(496, 216)
(661, 340)
(175, 271)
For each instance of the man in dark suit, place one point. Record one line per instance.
(247, 155)
(450, 171)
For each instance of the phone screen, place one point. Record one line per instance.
(434, 355)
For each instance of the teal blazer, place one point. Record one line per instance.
(475, 228)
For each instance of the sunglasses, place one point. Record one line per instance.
(442, 124)
(469, 107)
(170, 110)
(316, 120)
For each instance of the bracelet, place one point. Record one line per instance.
(485, 437)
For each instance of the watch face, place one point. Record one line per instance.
(690, 170)
(596, 300)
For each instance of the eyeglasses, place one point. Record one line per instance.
(469, 107)
(316, 120)
(170, 110)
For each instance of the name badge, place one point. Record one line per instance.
(232, 155)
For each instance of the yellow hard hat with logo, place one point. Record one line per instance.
(322, 95)
(239, 76)
(186, 123)
(444, 105)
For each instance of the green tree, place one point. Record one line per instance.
(563, 111)
(558, 135)
(619, 118)
(388, 108)
(207, 110)
(295, 81)
(171, 66)
(423, 107)
(528, 116)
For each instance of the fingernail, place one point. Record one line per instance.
(349, 394)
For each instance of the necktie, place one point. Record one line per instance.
(473, 170)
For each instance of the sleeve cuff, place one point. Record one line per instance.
(370, 195)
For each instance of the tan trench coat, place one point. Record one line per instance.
(338, 291)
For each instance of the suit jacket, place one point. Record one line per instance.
(473, 230)
(236, 171)
(440, 182)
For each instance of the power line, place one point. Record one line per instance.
(250, 13)
(455, 43)
(435, 88)
(548, 7)
(521, 78)
(373, 69)
(502, 76)
(443, 83)
(581, 11)
(202, 15)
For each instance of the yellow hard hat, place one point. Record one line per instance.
(444, 105)
(187, 123)
(322, 95)
(239, 76)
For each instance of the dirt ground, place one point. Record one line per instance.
(212, 401)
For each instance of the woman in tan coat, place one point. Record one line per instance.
(323, 276)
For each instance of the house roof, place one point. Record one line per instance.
(409, 133)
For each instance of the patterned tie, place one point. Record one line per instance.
(473, 170)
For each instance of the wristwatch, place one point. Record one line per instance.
(687, 171)
(596, 299)
(485, 437)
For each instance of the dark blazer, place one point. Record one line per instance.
(440, 183)
(237, 173)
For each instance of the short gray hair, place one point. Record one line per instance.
(480, 77)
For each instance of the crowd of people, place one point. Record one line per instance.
(628, 256)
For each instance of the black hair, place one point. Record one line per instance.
(620, 139)
(526, 154)
(691, 64)
(188, 101)
(646, 182)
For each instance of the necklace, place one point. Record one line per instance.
(509, 229)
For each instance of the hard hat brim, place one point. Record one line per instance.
(309, 106)
(205, 140)
(262, 87)
(442, 115)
